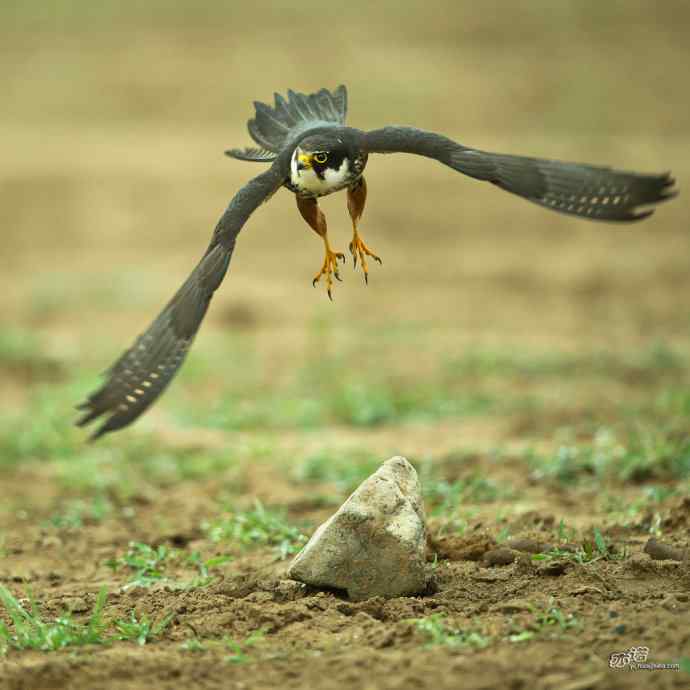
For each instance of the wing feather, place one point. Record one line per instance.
(143, 372)
(252, 153)
(587, 191)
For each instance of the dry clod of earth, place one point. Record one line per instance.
(500, 556)
(470, 547)
(528, 545)
(375, 544)
(512, 606)
(663, 552)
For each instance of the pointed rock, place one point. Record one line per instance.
(375, 544)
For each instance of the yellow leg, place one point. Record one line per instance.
(359, 249)
(356, 198)
(314, 216)
(329, 268)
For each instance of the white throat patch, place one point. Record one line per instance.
(306, 180)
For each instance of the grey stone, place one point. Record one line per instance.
(375, 544)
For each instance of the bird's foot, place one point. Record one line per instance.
(329, 269)
(360, 251)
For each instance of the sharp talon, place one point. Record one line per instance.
(360, 252)
(329, 270)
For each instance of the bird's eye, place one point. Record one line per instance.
(320, 157)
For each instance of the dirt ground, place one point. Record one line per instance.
(320, 639)
(533, 367)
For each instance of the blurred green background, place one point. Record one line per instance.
(113, 123)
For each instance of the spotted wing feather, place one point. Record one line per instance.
(587, 191)
(143, 372)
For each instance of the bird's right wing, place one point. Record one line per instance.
(141, 374)
(588, 191)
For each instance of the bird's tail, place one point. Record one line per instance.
(251, 153)
(273, 125)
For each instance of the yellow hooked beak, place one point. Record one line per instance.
(304, 161)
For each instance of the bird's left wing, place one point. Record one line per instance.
(588, 191)
(141, 374)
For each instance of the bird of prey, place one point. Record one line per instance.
(310, 151)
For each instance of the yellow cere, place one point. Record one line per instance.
(305, 160)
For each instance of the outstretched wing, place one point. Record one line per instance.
(581, 190)
(142, 373)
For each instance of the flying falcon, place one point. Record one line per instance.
(312, 153)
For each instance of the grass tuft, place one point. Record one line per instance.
(141, 630)
(147, 566)
(549, 621)
(446, 497)
(643, 454)
(239, 651)
(258, 526)
(591, 549)
(437, 632)
(77, 513)
(30, 631)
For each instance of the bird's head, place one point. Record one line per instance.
(323, 164)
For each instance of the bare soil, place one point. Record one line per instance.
(320, 639)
